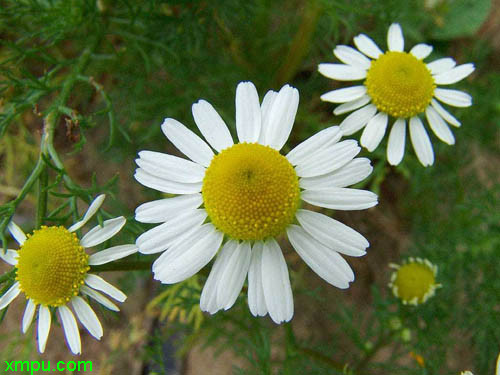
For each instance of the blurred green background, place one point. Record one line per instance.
(112, 70)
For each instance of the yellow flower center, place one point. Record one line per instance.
(399, 84)
(51, 266)
(414, 282)
(251, 192)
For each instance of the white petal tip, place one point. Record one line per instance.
(394, 163)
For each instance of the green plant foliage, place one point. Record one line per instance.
(85, 85)
(459, 18)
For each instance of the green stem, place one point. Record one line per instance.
(33, 177)
(42, 197)
(122, 266)
(300, 44)
(46, 145)
(52, 118)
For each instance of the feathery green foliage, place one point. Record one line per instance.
(85, 84)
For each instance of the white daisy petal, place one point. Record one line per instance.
(211, 125)
(441, 65)
(162, 210)
(352, 105)
(366, 45)
(29, 312)
(351, 173)
(166, 186)
(9, 295)
(447, 116)
(279, 121)
(395, 40)
(208, 299)
(162, 236)
(190, 235)
(98, 234)
(91, 211)
(438, 126)
(325, 262)
(187, 142)
(340, 198)
(454, 75)
(98, 283)
(421, 142)
(350, 56)
(358, 119)
(324, 138)
(233, 275)
(248, 113)
(170, 167)
(332, 233)
(177, 248)
(111, 254)
(344, 95)
(190, 256)
(374, 131)
(256, 300)
(267, 104)
(341, 72)
(87, 317)
(455, 98)
(421, 51)
(10, 256)
(16, 232)
(396, 143)
(43, 327)
(328, 159)
(99, 298)
(70, 328)
(276, 283)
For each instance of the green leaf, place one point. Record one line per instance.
(461, 18)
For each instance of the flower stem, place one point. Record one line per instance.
(47, 146)
(300, 44)
(42, 197)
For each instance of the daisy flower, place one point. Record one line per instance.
(52, 271)
(414, 281)
(249, 195)
(400, 85)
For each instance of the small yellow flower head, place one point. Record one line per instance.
(52, 266)
(414, 281)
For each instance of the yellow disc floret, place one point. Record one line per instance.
(399, 84)
(251, 192)
(415, 281)
(52, 266)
